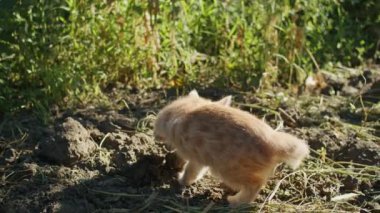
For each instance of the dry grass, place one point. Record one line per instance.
(297, 191)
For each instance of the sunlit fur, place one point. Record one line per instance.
(236, 146)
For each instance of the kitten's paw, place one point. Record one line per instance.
(181, 177)
(184, 181)
(233, 201)
(181, 181)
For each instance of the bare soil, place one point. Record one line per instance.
(104, 159)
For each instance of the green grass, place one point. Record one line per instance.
(69, 51)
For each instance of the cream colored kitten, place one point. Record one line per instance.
(236, 146)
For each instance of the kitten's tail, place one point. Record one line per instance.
(293, 150)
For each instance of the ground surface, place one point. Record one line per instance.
(104, 159)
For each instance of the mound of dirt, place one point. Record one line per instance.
(71, 143)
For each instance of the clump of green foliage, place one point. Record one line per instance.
(51, 50)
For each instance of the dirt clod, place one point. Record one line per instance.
(71, 144)
(360, 152)
(115, 140)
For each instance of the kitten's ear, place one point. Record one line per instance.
(226, 101)
(194, 93)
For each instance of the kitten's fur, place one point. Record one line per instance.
(236, 146)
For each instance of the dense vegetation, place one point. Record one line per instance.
(68, 50)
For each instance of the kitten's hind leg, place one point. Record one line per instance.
(246, 195)
(192, 172)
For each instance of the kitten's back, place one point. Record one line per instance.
(219, 133)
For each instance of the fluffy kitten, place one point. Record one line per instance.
(236, 146)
